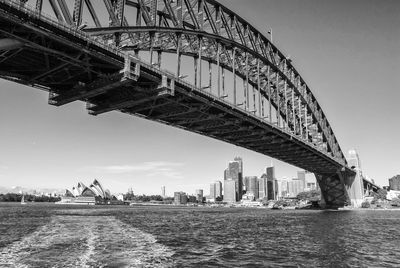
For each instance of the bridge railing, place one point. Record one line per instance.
(28, 9)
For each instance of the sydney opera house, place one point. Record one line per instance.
(86, 195)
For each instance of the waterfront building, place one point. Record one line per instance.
(240, 161)
(262, 186)
(81, 187)
(215, 190)
(82, 194)
(284, 188)
(248, 197)
(180, 198)
(199, 195)
(212, 191)
(163, 191)
(234, 172)
(230, 191)
(218, 189)
(394, 183)
(245, 184)
(272, 184)
(301, 176)
(295, 187)
(75, 191)
(252, 186)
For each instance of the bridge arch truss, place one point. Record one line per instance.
(234, 66)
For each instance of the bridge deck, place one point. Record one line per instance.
(72, 66)
(56, 58)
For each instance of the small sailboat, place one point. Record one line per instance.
(23, 200)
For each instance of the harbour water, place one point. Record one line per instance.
(39, 235)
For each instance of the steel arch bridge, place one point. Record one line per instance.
(224, 80)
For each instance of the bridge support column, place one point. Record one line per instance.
(333, 191)
(341, 189)
(355, 189)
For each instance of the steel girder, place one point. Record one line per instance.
(207, 30)
(200, 29)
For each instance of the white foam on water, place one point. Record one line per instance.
(86, 241)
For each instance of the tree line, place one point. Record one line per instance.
(12, 197)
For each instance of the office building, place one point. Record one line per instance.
(218, 189)
(301, 175)
(284, 188)
(252, 186)
(394, 183)
(199, 195)
(245, 184)
(233, 172)
(163, 191)
(262, 186)
(215, 190)
(240, 161)
(295, 186)
(230, 191)
(212, 194)
(180, 198)
(272, 184)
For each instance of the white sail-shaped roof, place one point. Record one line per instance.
(68, 193)
(97, 191)
(100, 188)
(88, 192)
(107, 194)
(81, 187)
(75, 191)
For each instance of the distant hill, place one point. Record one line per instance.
(18, 189)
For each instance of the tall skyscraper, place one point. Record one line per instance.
(252, 186)
(212, 191)
(199, 195)
(230, 191)
(218, 189)
(246, 184)
(272, 186)
(233, 172)
(262, 186)
(240, 161)
(301, 175)
(284, 188)
(163, 191)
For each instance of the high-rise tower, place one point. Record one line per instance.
(234, 172)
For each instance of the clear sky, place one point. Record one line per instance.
(347, 51)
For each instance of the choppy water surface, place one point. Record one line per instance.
(62, 236)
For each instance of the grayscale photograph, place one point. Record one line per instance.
(199, 133)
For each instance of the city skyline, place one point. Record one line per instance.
(45, 145)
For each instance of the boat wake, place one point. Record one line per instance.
(86, 241)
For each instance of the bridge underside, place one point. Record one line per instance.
(70, 68)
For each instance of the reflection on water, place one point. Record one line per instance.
(50, 236)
